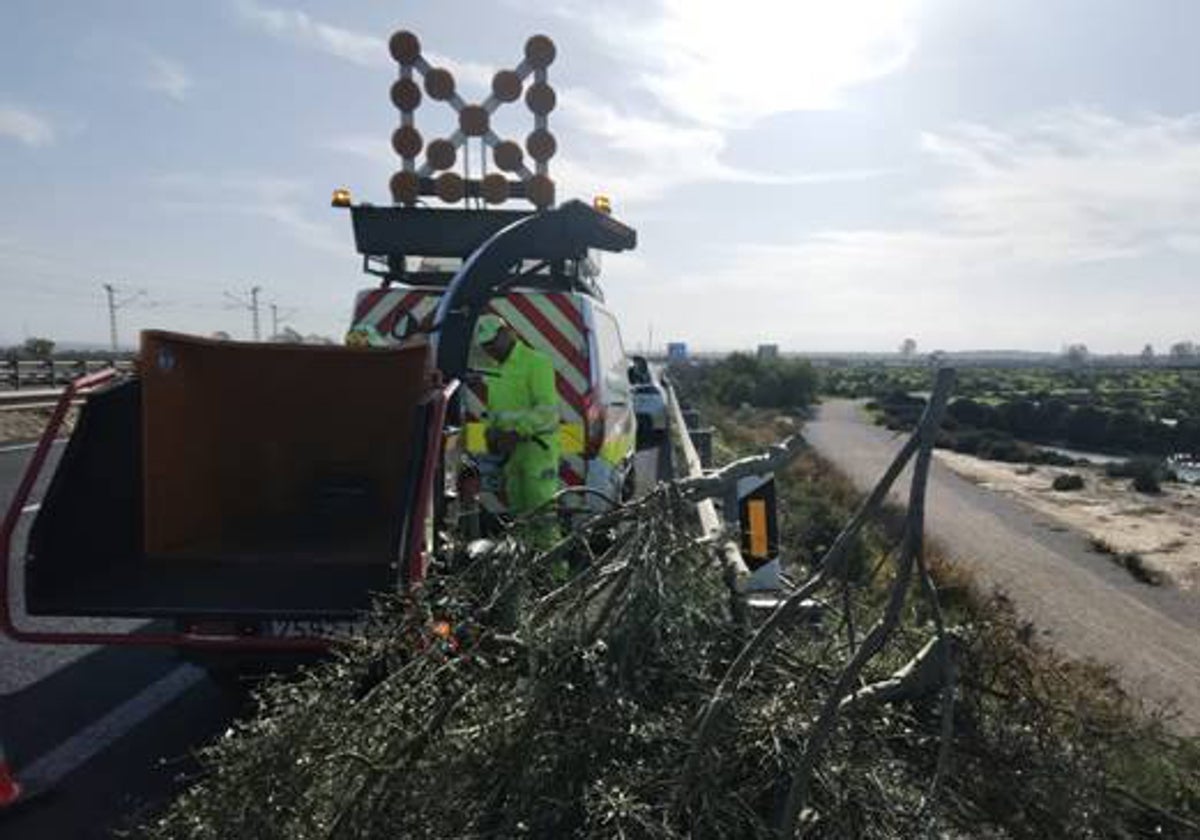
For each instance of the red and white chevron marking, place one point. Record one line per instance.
(551, 322)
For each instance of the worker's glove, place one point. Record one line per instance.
(502, 441)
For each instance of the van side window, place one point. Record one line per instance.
(612, 362)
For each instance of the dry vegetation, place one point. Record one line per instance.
(501, 706)
(21, 425)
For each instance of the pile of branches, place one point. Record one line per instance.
(630, 701)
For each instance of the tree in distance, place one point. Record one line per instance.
(38, 348)
(1076, 354)
(1183, 350)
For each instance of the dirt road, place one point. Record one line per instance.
(1084, 605)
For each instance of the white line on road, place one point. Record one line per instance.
(95, 738)
(25, 446)
(33, 508)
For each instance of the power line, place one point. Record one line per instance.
(114, 305)
(251, 303)
(278, 312)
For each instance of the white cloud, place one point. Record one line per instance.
(301, 28)
(375, 149)
(25, 126)
(1028, 213)
(362, 48)
(640, 158)
(714, 63)
(278, 200)
(1073, 184)
(167, 76)
(709, 71)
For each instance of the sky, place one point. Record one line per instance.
(827, 176)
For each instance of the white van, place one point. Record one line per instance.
(597, 425)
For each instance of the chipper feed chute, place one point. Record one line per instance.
(234, 479)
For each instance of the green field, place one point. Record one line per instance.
(1147, 411)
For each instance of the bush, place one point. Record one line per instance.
(1147, 473)
(742, 379)
(1050, 458)
(1136, 566)
(1002, 448)
(1068, 481)
(1146, 483)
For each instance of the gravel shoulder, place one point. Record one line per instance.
(1080, 601)
(1162, 529)
(24, 425)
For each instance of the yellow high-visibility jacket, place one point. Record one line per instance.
(522, 398)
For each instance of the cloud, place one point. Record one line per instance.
(279, 200)
(697, 73)
(641, 158)
(708, 63)
(362, 48)
(1073, 184)
(301, 28)
(1078, 210)
(166, 76)
(375, 149)
(25, 126)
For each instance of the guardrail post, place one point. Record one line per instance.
(16, 374)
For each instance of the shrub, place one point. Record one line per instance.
(1146, 483)
(1136, 566)
(743, 379)
(1068, 481)
(1002, 449)
(1147, 473)
(1051, 458)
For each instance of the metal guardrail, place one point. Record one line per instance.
(712, 525)
(19, 374)
(10, 400)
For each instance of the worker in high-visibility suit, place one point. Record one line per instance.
(522, 422)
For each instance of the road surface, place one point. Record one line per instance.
(105, 734)
(1083, 603)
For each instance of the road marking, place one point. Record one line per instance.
(26, 446)
(33, 508)
(98, 736)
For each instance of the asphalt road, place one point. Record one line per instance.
(1080, 601)
(101, 736)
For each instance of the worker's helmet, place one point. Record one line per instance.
(365, 335)
(488, 327)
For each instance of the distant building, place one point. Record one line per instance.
(768, 352)
(677, 351)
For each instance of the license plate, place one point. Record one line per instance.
(312, 628)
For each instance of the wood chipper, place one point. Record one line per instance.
(245, 497)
